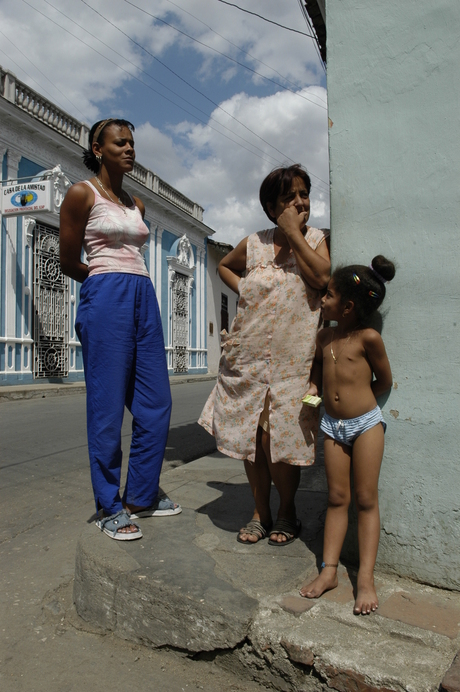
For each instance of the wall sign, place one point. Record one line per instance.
(26, 198)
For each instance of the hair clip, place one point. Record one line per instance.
(373, 294)
(356, 279)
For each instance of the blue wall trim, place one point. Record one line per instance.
(167, 241)
(11, 379)
(27, 168)
(19, 249)
(3, 279)
(5, 165)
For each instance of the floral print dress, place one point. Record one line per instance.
(270, 349)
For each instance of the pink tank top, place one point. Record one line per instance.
(113, 238)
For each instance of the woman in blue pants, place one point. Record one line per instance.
(119, 326)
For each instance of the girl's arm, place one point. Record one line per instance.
(232, 266)
(74, 216)
(375, 351)
(316, 374)
(314, 265)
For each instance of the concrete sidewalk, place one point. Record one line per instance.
(189, 586)
(39, 390)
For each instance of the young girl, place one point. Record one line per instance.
(352, 368)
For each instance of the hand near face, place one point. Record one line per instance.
(290, 221)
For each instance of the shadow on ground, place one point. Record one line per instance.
(234, 508)
(187, 443)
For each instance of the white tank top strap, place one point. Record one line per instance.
(97, 192)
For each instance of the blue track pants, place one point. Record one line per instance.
(119, 326)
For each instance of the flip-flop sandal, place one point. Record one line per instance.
(112, 525)
(160, 508)
(287, 528)
(254, 528)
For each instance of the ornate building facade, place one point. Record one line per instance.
(41, 153)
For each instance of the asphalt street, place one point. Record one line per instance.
(46, 499)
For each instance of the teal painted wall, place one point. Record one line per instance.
(395, 168)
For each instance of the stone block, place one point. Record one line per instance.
(160, 591)
(296, 605)
(298, 654)
(99, 563)
(350, 681)
(451, 680)
(424, 611)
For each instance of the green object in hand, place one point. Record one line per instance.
(311, 400)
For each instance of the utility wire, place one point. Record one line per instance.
(231, 4)
(162, 95)
(209, 116)
(228, 57)
(303, 9)
(156, 91)
(188, 83)
(42, 73)
(253, 57)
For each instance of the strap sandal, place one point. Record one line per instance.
(254, 528)
(112, 525)
(290, 529)
(163, 507)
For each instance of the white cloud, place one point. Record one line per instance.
(226, 181)
(215, 170)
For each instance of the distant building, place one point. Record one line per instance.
(222, 302)
(41, 153)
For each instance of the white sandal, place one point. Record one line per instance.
(112, 525)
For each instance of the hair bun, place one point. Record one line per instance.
(384, 267)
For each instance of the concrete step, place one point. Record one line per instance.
(188, 585)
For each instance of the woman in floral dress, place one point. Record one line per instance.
(255, 410)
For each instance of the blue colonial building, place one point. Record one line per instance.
(41, 150)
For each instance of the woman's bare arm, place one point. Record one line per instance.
(316, 376)
(140, 205)
(314, 265)
(74, 216)
(232, 266)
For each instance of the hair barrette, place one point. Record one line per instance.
(356, 279)
(373, 294)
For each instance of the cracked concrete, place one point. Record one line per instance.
(189, 585)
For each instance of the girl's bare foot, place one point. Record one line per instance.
(366, 599)
(325, 581)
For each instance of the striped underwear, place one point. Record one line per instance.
(346, 431)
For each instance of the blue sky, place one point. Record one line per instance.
(225, 126)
